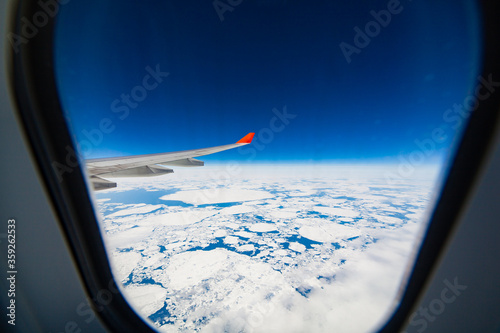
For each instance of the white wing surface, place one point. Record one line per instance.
(151, 164)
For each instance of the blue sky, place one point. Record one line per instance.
(225, 77)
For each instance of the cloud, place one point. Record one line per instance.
(331, 260)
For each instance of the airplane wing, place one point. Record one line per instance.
(151, 164)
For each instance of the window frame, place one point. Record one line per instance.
(32, 78)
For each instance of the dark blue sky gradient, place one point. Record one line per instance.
(227, 76)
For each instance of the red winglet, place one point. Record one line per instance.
(247, 138)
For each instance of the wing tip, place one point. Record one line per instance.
(247, 138)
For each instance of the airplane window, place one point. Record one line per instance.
(266, 165)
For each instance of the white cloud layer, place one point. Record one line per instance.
(298, 251)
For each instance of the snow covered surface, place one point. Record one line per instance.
(217, 195)
(264, 250)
